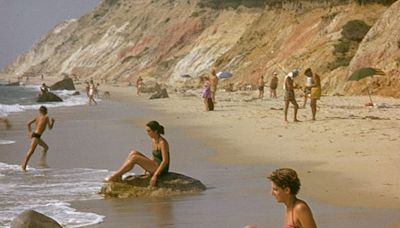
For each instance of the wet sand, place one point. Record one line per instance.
(231, 150)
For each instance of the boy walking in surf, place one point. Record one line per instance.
(41, 121)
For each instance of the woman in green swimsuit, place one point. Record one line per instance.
(157, 166)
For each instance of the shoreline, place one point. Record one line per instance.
(248, 126)
(244, 131)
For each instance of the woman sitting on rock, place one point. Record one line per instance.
(157, 166)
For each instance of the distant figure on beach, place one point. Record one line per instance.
(307, 87)
(261, 84)
(206, 94)
(273, 84)
(44, 89)
(87, 88)
(139, 85)
(3, 118)
(288, 87)
(156, 166)
(96, 90)
(285, 184)
(213, 83)
(315, 92)
(41, 122)
(92, 90)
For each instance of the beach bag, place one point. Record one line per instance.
(210, 104)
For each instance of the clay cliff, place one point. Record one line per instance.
(164, 39)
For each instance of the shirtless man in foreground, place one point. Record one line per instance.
(41, 121)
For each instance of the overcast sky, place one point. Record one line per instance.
(23, 22)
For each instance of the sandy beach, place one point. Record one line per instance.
(347, 159)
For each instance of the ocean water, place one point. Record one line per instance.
(48, 191)
(21, 98)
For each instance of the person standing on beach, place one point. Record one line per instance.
(41, 122)
(206, 94)
(315, 93)
(285, 184)
(261, 84)
(87, 88)
(307, 87)
(273, 84)
(139, 85)
(156, 166)
(213, 83)
(288, 87)
(92, 90)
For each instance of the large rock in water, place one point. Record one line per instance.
(65, 84)
(33, 219)
(167, 185)
(48, 97)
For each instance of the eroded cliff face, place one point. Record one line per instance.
(165, 39)
(380, 48)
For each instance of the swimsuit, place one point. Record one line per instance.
(36, 135)
(293, 225)
(316, 92)
(289, 95)
(158, 159)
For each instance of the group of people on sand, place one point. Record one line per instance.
(312, 90)
(273, 85)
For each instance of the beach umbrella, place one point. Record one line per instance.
(363, 73)
(224, 74)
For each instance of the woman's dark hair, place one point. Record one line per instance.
(155, 126)
(286, 178)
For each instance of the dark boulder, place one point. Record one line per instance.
(48, 97)
(33, 219)
(160, 94)
(137, 186)
(76, 93)
(65, 84)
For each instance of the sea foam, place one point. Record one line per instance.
(48, 191)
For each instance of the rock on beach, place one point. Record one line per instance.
(33, 219)
(137, 186)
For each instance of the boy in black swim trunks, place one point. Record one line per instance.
(41, 121)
